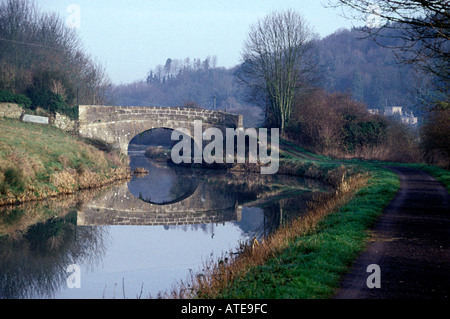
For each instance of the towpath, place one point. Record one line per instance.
(410, 244)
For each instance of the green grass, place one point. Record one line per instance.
(439, 173)
(312, 265)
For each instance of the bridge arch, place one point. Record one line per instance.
(117, 125)
(165, 140)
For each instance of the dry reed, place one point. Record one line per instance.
(140, 171)
(67, 181)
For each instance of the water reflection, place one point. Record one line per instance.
(34, 257)
(139, 237)
(163, 184)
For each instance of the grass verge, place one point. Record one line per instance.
(311, 265)
(39, 161)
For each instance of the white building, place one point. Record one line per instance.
(405, 117)
(409, 118)
(391, 110)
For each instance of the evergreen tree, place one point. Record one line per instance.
(358, 86)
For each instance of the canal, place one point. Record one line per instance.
(139, 238)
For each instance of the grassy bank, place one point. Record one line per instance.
(39, 161)
(312, 262)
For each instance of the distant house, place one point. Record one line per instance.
(391, 110)
(405, 117)
(409, 118)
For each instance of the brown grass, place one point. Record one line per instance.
(215, 277)
(65, 182)
(391, 153)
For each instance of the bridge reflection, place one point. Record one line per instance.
(118, 206)
(181, 196)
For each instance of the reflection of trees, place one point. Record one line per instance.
(180, 189)
(254, 183)
(275, 214)
(182, 186)
(34, 266)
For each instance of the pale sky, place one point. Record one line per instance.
(129, 37)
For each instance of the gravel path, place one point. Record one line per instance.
(410, 243)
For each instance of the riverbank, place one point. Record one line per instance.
(308, 258)
(40, 161)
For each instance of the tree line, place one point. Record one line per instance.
(189, 82)
(42, 59)
(284, 64)
(345, 63)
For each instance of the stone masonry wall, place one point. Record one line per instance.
(10, 110)
(14, 111)
(65, 123)
(99, 114)
(93, 217)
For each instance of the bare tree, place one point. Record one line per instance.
(278, 60)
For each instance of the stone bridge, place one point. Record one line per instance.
(117, 125)
(117, 206)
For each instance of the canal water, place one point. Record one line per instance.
(142, 237)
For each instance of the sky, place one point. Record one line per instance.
(130, 37)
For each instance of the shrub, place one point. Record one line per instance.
(52, 102)
(314, 123)
(336, 125)
(363, 133)
(13, 178)
(9, 97)
(325, 121)
(435, 136)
